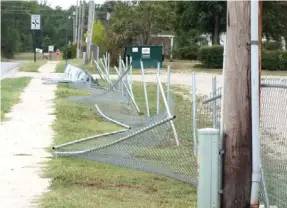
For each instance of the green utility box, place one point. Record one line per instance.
(150, 55)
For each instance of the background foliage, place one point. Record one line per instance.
(194, 24)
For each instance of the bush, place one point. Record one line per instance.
(72, 51)
(274, 60)
(211, 56)
(187, 52)
(272, 45)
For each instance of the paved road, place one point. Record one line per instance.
(6, 67)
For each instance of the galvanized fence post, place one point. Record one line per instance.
(214, 113)
(157, 90)
(194, 126)
(208, 194)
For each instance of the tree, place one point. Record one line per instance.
(99, 34)
(204, 16)
(135, 23)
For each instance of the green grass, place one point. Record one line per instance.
(32, 66)
(81, 183)
(10, 93)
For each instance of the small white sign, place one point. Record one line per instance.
(39, 50)
(51, 48)
(145, 50)
(135, 50)
(35, 22)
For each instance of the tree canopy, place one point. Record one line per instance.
(130, 22)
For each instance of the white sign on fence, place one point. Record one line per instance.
(35, 22)
(145, 50)
(39, 50)
(51, 48)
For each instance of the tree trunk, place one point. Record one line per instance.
(237, 108)
(216, 38)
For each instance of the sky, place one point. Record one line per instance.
(65, 4)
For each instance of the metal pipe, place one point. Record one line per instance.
(129, 93)
(168, 87)
(106, 72)
(157, 90)
(214, 116)
(88, 138)
(137, 132)
(131, 76)
(167, 109)
(256, 160)
(194, 115)
(110, 119)
(145, 90)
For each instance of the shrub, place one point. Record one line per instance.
(72, 51)
(211, 56)
(272, 45)
(274, 60)
(187, 52)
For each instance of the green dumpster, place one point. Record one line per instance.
(150, 55)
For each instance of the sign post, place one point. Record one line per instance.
(50, 50)
(57, 54)
(35, 25)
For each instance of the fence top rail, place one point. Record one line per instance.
(265, 83)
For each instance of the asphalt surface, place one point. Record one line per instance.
(6, 68)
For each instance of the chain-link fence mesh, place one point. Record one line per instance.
(273, 136)
(273, 124)
(149, 145)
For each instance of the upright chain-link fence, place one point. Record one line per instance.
(273, 136)
(273, 124)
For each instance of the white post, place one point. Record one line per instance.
(208, 195)
(256, 160)
(126, 67)
(214, 116)
(131, 76)
(145, 90)
(108, 64)
(167, 109)
(168, 87)
(157, 90)
(194, 124)
(121, 71)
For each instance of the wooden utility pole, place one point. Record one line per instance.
(82, 29)
(90, 28)
(237, 131)
(79, 28)
(77, 22)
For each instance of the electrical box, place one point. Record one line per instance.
(208, 193)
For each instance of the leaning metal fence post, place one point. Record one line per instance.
(157, 90)
(168, 87)
(214, 117)
(108, 64)
(194, 126)
(131, 76)
(120, 69)
(145, 90)
(126, 77)
(167, 110)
